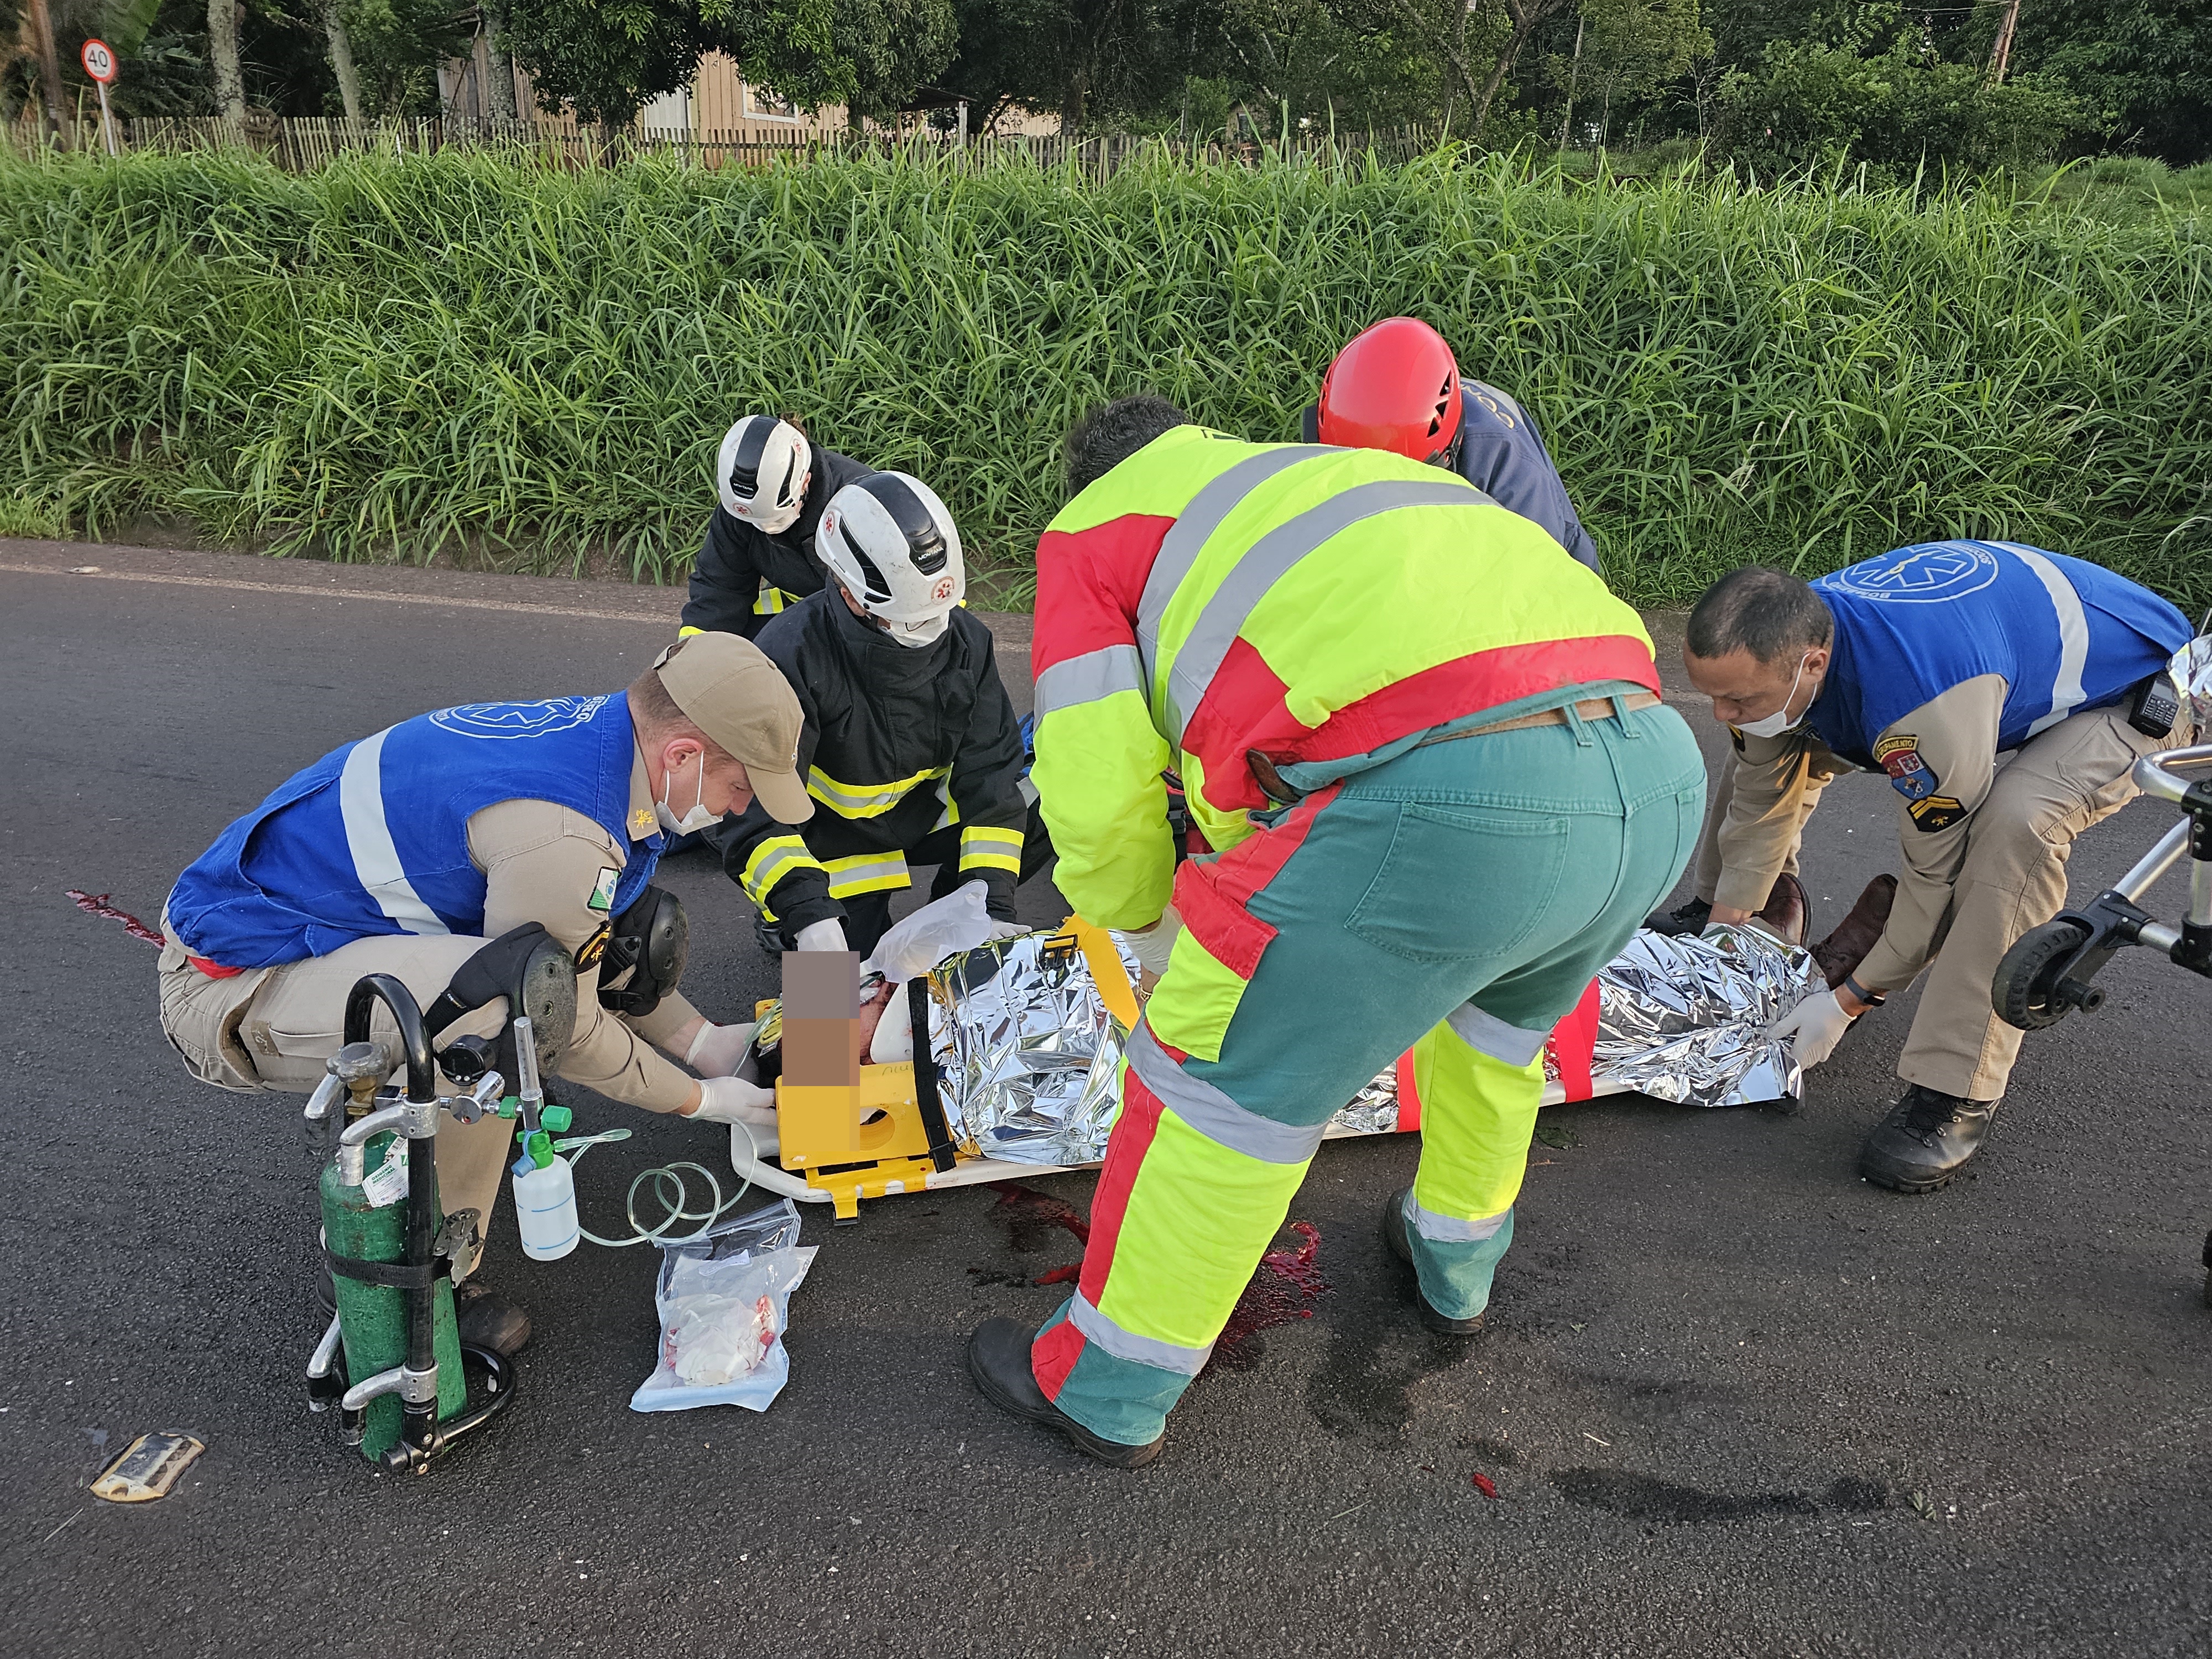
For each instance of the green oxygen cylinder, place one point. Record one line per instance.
(372, 1318)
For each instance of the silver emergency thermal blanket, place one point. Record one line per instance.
(1683, 1019)
(1028, 1058)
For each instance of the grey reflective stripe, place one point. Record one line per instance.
(1452, 1230)
(1212, 1113)
(1487, 1034)
(1270, 558)
(1194, 526)
(853, 875)
(1124, 1344)
(2066, 692)
(1088, 677)
(376, 863)
(778, 863)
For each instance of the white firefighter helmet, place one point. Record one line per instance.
(763, 472)
(890, 542)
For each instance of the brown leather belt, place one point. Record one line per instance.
(1591, 708)
(1272, 786)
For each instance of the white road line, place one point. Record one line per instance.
(530, 609)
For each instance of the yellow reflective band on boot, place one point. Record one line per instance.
(1198, 1217)
(866, 872)
(1196, 999)
(771, 861)
(865, 800)
(985, 848)
(1477, 1116)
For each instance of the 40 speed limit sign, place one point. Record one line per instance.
(100, 61)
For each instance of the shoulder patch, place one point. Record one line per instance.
(1909, 774)
(594, 948)
(641, 822)
(1935, 812)
(603, 895)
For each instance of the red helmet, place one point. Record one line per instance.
(1394, 386)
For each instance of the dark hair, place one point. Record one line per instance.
(1112, 431)
(1768, 613)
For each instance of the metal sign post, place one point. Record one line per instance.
(100, 64)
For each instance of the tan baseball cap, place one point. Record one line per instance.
(731, 691)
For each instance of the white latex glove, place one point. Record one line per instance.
(1151, 946)
(1818, 1023)
(828, 934)
(733, 1100)
(1007, 930)
(716, 1051)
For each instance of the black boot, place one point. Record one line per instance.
(1689, 918)
(999, 1360)
(1925, 1140)
(488, 1320)
(1394, 1241)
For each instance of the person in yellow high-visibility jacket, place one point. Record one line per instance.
(1429, 749)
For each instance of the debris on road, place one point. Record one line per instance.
(148, 1468)
(96, 905)
(1485, 1484)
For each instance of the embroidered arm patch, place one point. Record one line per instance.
(1909, 774)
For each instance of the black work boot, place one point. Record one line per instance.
(488, 1320)
(1395, 1242)
(999, 1360)
(1689, 918)
(1925, 1140)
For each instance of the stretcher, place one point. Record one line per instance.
(886, 1135)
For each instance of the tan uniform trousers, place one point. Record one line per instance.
(2073, 776)
(272, 1029)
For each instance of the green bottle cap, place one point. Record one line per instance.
(558, 1119)
(509, 1105)
(539, 1146)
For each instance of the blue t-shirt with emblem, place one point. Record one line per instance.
(2065, 635)
(373, 838)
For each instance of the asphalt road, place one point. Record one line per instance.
(1732, 1400)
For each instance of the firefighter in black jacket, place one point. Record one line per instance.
(909, 749)
(759, 556)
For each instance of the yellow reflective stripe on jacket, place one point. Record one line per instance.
(985, 848)
(866, 872)
(1099, 789)
(687, 631)
(771, 600)
(866, 801)
(776, 857)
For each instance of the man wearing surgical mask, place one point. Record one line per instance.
(772, 481)
(1997, 688)
(414, 850)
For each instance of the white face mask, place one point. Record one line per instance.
(698, 817)
(771, 520)
(1779, 722)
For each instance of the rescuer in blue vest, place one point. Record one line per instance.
(1930, 665)
(403, 853)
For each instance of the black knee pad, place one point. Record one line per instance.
(647, 947)
(528, 966)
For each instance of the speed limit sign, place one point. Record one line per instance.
(99, 61)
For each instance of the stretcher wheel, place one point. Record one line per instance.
(2023, 990)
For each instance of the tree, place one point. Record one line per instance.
(499, 81)
(222, 54)
(2143, 67)
(341, 63)
(1629, 50)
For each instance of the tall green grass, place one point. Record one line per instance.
(397, 358)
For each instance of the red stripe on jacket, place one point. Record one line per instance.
(1090, 583)
(1246, 706)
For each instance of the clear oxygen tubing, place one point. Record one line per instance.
(664, 1177)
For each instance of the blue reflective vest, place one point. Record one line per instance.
(1502, 455)
(374, 838)
(2066, 634)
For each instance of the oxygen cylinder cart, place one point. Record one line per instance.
(391, 1359)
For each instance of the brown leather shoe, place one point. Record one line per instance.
(1788, 913)
(1840, 953)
